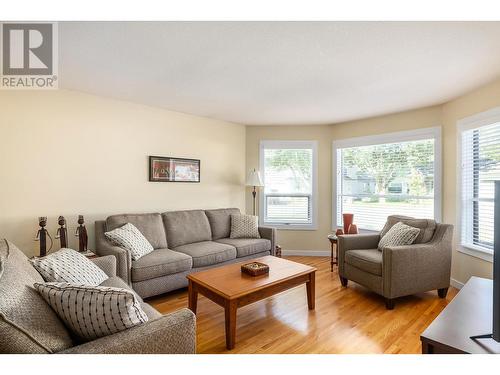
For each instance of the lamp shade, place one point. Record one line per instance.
(254, 179)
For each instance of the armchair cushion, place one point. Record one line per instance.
(366, 260)
(427, 226)
(400, 234)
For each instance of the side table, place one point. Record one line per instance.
(333, 243)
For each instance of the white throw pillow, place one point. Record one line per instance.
(69, 266)
(131, 239)
(400, 234)
(91, 312)
(244, 226)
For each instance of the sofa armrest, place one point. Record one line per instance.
(106, 263)
(104, 247)
(269, 234)
(174, 333)
(418, 268)
(354, 242)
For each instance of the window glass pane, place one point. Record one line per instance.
(386, 179)
(480, 168)
(288, 185)
(288, 171)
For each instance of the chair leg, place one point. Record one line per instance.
(389, 303)
(343, 281)
(442, 292)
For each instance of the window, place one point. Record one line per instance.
(289, 195)
(389, 174)
(480, 167)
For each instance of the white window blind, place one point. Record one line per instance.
(480, 168)
(383, 177)
(289, 183)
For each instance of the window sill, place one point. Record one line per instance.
(476, 252)
(290, 226)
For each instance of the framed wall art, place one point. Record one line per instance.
(168, 169)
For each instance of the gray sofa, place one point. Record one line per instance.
(398, 270)
(29, 325)
(183, 242)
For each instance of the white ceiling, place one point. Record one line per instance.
(279, 73)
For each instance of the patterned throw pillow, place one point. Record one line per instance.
(93, 312)
(400, 234)
(244, 226)
(69, 266)
(131, 239)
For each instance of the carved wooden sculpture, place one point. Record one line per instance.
(81, 233)
(42, 235)
(62, 232)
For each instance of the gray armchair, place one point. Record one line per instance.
(400, 270)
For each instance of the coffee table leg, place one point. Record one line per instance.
(311, 289)
(192, 297)
(230, 313)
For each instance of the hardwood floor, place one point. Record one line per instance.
(346, 320)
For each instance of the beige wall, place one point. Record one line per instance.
(67, 153)
(445, 116)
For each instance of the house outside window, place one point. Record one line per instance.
(289, 196)
(479, 155)
(388, 174)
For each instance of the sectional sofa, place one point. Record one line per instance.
(184, 242)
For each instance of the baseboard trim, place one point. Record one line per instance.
(309, 253)
(457, 284)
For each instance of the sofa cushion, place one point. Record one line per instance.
(93, 311)
(160, 262)
(207, 253)
(70, 266)
(367, 260)
(220, 221)
(150, 225)
(426, 226)
(247, 246)
(27, 323)
(131, 239)
(244, 226)
(185, 227)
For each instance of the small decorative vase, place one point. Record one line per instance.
(339, 232)
(353, 229)
(348, 218)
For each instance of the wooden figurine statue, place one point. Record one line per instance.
(42, 235)
(62, 232)
(81, 233)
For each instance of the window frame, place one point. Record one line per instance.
(291, 144)
(401, 136)
(475, 121)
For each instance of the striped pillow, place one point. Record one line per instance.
(131, 239)
(400, 234)
(93, 312)
(69, 266)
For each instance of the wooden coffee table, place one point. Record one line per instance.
(230, 288)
